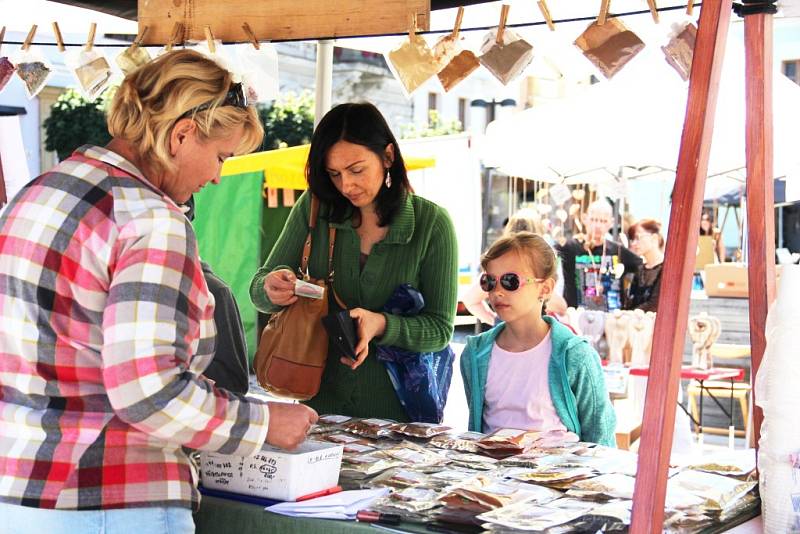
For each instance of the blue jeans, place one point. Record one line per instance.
(15, 519)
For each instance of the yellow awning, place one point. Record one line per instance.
(285, 168)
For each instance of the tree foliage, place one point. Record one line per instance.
(289, 121)
(75, 121)
(435, 126)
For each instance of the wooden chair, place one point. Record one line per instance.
(722, 388)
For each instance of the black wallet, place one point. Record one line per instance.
(341, 330)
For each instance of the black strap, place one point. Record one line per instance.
(755, 7)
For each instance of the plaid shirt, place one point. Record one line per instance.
(106, 323)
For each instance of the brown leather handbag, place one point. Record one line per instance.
(293, 347)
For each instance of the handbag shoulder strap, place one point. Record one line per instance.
(312, 223)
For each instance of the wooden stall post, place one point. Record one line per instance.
(673, 306)
(760, 189)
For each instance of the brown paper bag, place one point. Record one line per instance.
(609, 46)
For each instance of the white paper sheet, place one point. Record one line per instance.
(342, 505)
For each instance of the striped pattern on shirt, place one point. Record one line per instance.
(106, 323)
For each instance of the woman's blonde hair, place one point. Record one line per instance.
(530, 247)
(154, 97)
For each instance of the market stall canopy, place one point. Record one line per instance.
(636, 119)
(128, 8)
(285, 168)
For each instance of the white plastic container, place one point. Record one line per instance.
(275, 473)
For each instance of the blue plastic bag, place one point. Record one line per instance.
(420, 379)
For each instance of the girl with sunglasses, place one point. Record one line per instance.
(531, 372)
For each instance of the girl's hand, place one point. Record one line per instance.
(279, 287)
(370, 325)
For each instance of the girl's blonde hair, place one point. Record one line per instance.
(154, 97)
(530, 247)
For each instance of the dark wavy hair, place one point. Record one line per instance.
(361, 124)
(651, 226)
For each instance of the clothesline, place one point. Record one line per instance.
(396, 34)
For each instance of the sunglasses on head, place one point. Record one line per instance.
(236, 97)
(508, 281)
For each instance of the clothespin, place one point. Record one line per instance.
(501, 28)
(59, 38)
(412, 29)
(546, 14)
(457, 25)
(90, 38)
(601, 18)
(177, 32)
(252, 36)
(29, 38)
(653, 10)
(139, 38)
(2, 36)
(210, 39)
(690, 7)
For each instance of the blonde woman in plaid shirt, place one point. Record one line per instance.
(106, 322)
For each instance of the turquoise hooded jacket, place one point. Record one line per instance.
(577, 385)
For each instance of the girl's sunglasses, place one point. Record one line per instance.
(508, 281)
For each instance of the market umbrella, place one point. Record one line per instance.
(635, 119)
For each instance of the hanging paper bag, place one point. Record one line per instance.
(6, 67)
(32, 68)
(413, 62)
(680, 49)
(456, 64)
(134, 56)
(91, 70)
(507, 57)
(259, 71)
(609, 46)
(90, 67)
(458, 69)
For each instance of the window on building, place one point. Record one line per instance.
(791, 69)
(462, 112)
(433, 104)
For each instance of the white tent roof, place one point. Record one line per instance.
(636, 119)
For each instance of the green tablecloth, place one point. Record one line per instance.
(222, 516)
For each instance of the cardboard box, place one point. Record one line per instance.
(726, 280)
(274, 473)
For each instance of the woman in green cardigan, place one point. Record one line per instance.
(385, 236)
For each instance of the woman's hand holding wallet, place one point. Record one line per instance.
(369, 325)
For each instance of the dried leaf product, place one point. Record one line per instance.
(680, 49)
(93, 73)
(6, 71)
(531, 516)
(609, 46)
(371, 428)
(508, 58)
(420, 430)
(464, 441)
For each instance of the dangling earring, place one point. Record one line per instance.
(388, 179)
(541, 300)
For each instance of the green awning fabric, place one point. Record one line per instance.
(228, 226)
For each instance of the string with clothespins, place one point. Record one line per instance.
(212, 47)
(501, 27)
(59, 38)
(251, 35)
(601, 17)
(546, 14)
(653, 10)
(177, 33)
